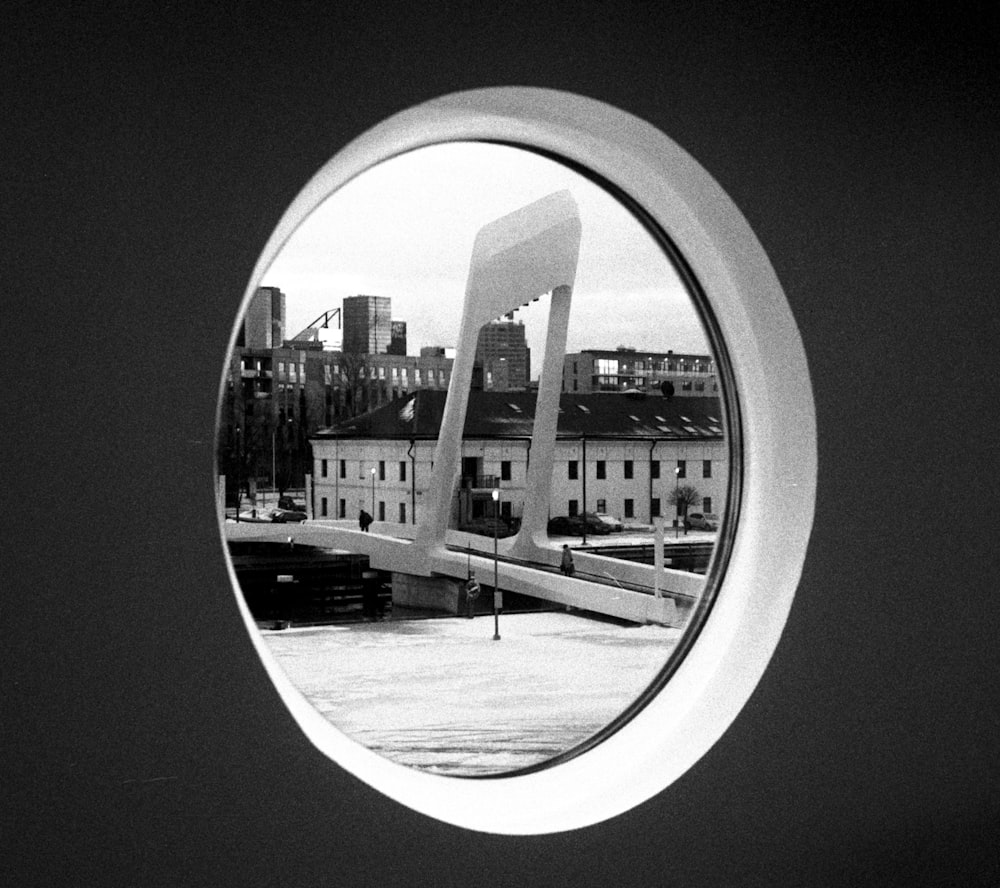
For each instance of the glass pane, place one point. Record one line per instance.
(468, 615)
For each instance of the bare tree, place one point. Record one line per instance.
(683, 497)
(292, 451)
(355, 372)
(239, 440)
(254, 460)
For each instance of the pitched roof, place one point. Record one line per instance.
(511, 415)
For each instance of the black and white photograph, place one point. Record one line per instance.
(330, 437)
(455, 445)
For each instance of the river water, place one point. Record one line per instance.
(443, 696)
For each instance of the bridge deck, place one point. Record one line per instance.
(605, 585)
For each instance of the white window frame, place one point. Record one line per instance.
(719, 672)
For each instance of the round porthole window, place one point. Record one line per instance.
(513, 409)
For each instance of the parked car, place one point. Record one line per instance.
(596, 524)
(614, 525)
(287, 503)
(565, 526)
(486, 527)
(699, 521)
(574, 525)
(287, 516)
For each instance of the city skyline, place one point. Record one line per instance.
(405, 230)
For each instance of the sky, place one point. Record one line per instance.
(405, 229)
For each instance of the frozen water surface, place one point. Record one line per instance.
(442, 695)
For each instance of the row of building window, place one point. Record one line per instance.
(573, 469)
(324, 469)
(332, 373)
(615, 383)
(613, 367)
(295, 371)
(628, 469)
(400, 373)
(324, 510)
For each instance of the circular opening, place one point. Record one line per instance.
(639, 439)
(695, 684)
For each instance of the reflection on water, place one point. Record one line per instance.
(441, 695)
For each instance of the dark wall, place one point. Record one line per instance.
(150, 149)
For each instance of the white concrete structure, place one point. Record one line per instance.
(515, 259)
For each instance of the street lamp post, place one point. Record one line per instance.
(274, 474)
(373, 493)
(677, 502)
(496, 584)
(239, 469)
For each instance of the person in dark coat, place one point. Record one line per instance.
(365, 520)
(567, 566)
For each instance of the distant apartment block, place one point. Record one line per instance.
(342, 385)
(626, 369)
(301, 382)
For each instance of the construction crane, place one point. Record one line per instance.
(311, 333)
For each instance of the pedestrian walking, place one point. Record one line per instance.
(365, 520)
(567, 566)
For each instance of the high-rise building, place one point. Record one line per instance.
(264, 323)
(503, 359)
(367, 324)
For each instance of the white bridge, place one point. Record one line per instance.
(517, 258)
(640, 593)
